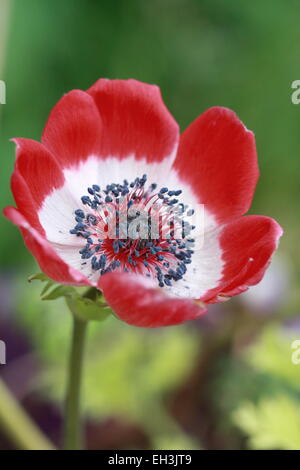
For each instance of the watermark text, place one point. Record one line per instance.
(2, 353)
(2, 92)
(296, 354)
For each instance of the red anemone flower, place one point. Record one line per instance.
(115, 148)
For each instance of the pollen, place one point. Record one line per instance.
(135, 227)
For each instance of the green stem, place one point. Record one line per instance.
(73, 431)
(17, 424)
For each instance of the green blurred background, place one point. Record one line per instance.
(226, 381)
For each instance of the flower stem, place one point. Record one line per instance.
(73, 431)
(18, 425)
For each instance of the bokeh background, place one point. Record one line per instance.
(226, 381)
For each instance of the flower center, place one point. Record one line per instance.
(127, 227)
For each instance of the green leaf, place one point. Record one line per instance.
(46, 288)
(40, 277)
(60, 291)
(273, 423)
(82, 307)
(43, 278)
(87, 309)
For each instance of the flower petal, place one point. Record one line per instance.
(40, 192)
(135, 120)
(25, 201)
(50, 263)
(217, 157)
(73, 130)
(247, 244)
(38, 169)
(139, 301)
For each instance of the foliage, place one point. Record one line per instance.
(272, 424)
(273, 420)
(128, 371)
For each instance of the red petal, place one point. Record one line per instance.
(25, 201)
(73, 130)
(135, 120)
(38, 168)
(217, 157)
(140, 302)
(248, 244)
(50, 263)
